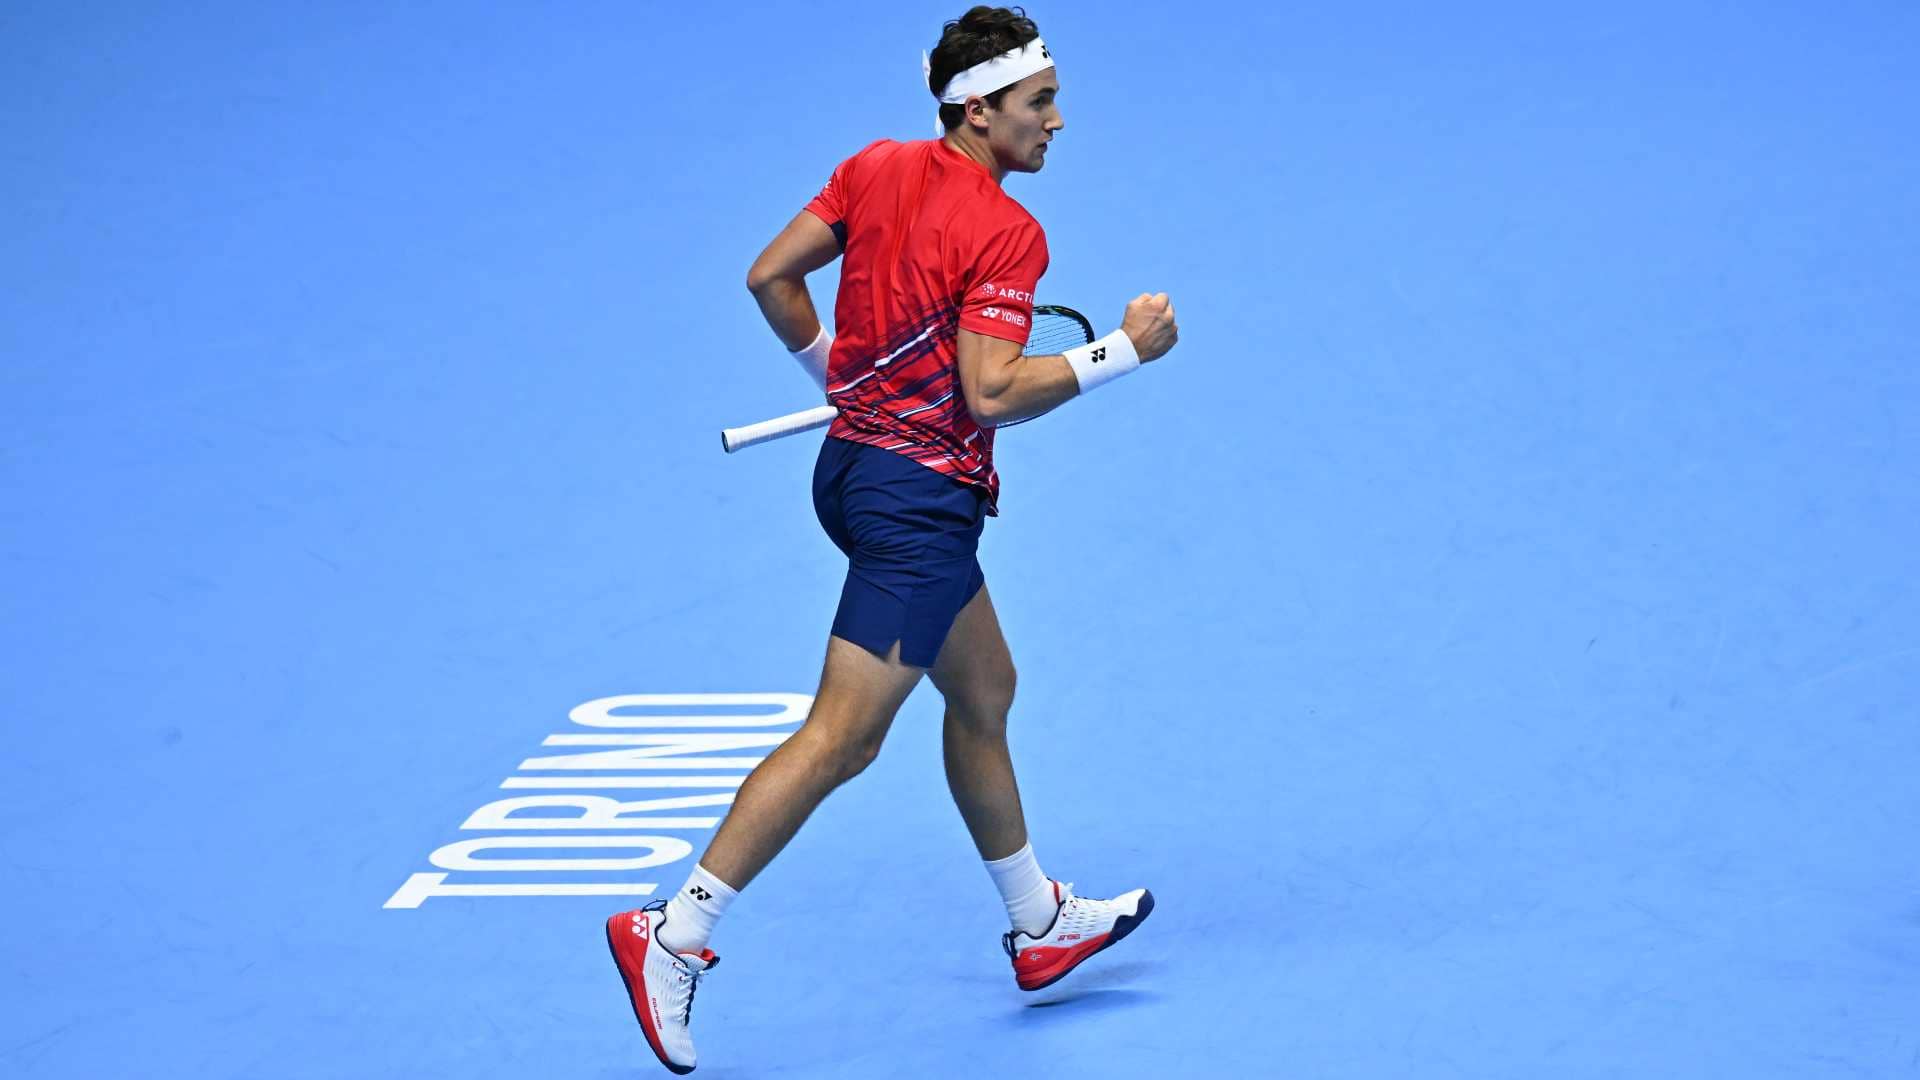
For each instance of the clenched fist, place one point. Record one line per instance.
(1149, 324)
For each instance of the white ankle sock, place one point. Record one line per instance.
(694, 910)
(1028, 893)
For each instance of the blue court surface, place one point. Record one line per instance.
(1492, 633)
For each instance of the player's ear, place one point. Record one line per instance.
(977, 110)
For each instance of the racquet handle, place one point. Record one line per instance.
(779, 427)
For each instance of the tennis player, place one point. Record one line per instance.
(936, 291)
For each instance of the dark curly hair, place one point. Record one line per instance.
(981, 34)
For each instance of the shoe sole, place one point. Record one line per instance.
(639, 1011)
(1122, 926)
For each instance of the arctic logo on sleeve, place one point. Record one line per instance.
(1025, 296)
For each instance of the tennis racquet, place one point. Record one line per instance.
(1053, 330)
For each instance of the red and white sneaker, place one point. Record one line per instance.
(660, 982)
(1082, 927)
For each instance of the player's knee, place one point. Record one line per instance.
(834, 748)
(854, 755)
(982, 705)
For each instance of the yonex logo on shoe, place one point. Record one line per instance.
(699, 893)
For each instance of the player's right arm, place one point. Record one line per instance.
(1003, 385)
(778, 278)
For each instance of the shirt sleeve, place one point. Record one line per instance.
(830, 205)
(999, 287)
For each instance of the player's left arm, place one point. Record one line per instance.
(1000, 385)
(778, 278)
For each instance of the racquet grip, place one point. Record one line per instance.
(779, 427)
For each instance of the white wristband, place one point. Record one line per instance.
(1103, 361)
(813, 358)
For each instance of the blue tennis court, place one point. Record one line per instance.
(1487, 633)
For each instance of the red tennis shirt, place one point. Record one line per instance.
(931, 246)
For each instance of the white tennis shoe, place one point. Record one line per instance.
(660, 982)
(1082, 927)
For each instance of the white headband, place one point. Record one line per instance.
(995, 74)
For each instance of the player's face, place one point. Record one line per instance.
(1021, 128)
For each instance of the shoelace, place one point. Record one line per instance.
(691, 980)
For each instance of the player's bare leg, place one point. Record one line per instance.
(661, 949)
(1053, 930)
(859, 695)
(974, 672)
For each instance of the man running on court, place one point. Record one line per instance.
(935, 295)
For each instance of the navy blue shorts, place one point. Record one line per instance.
(909, 535)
